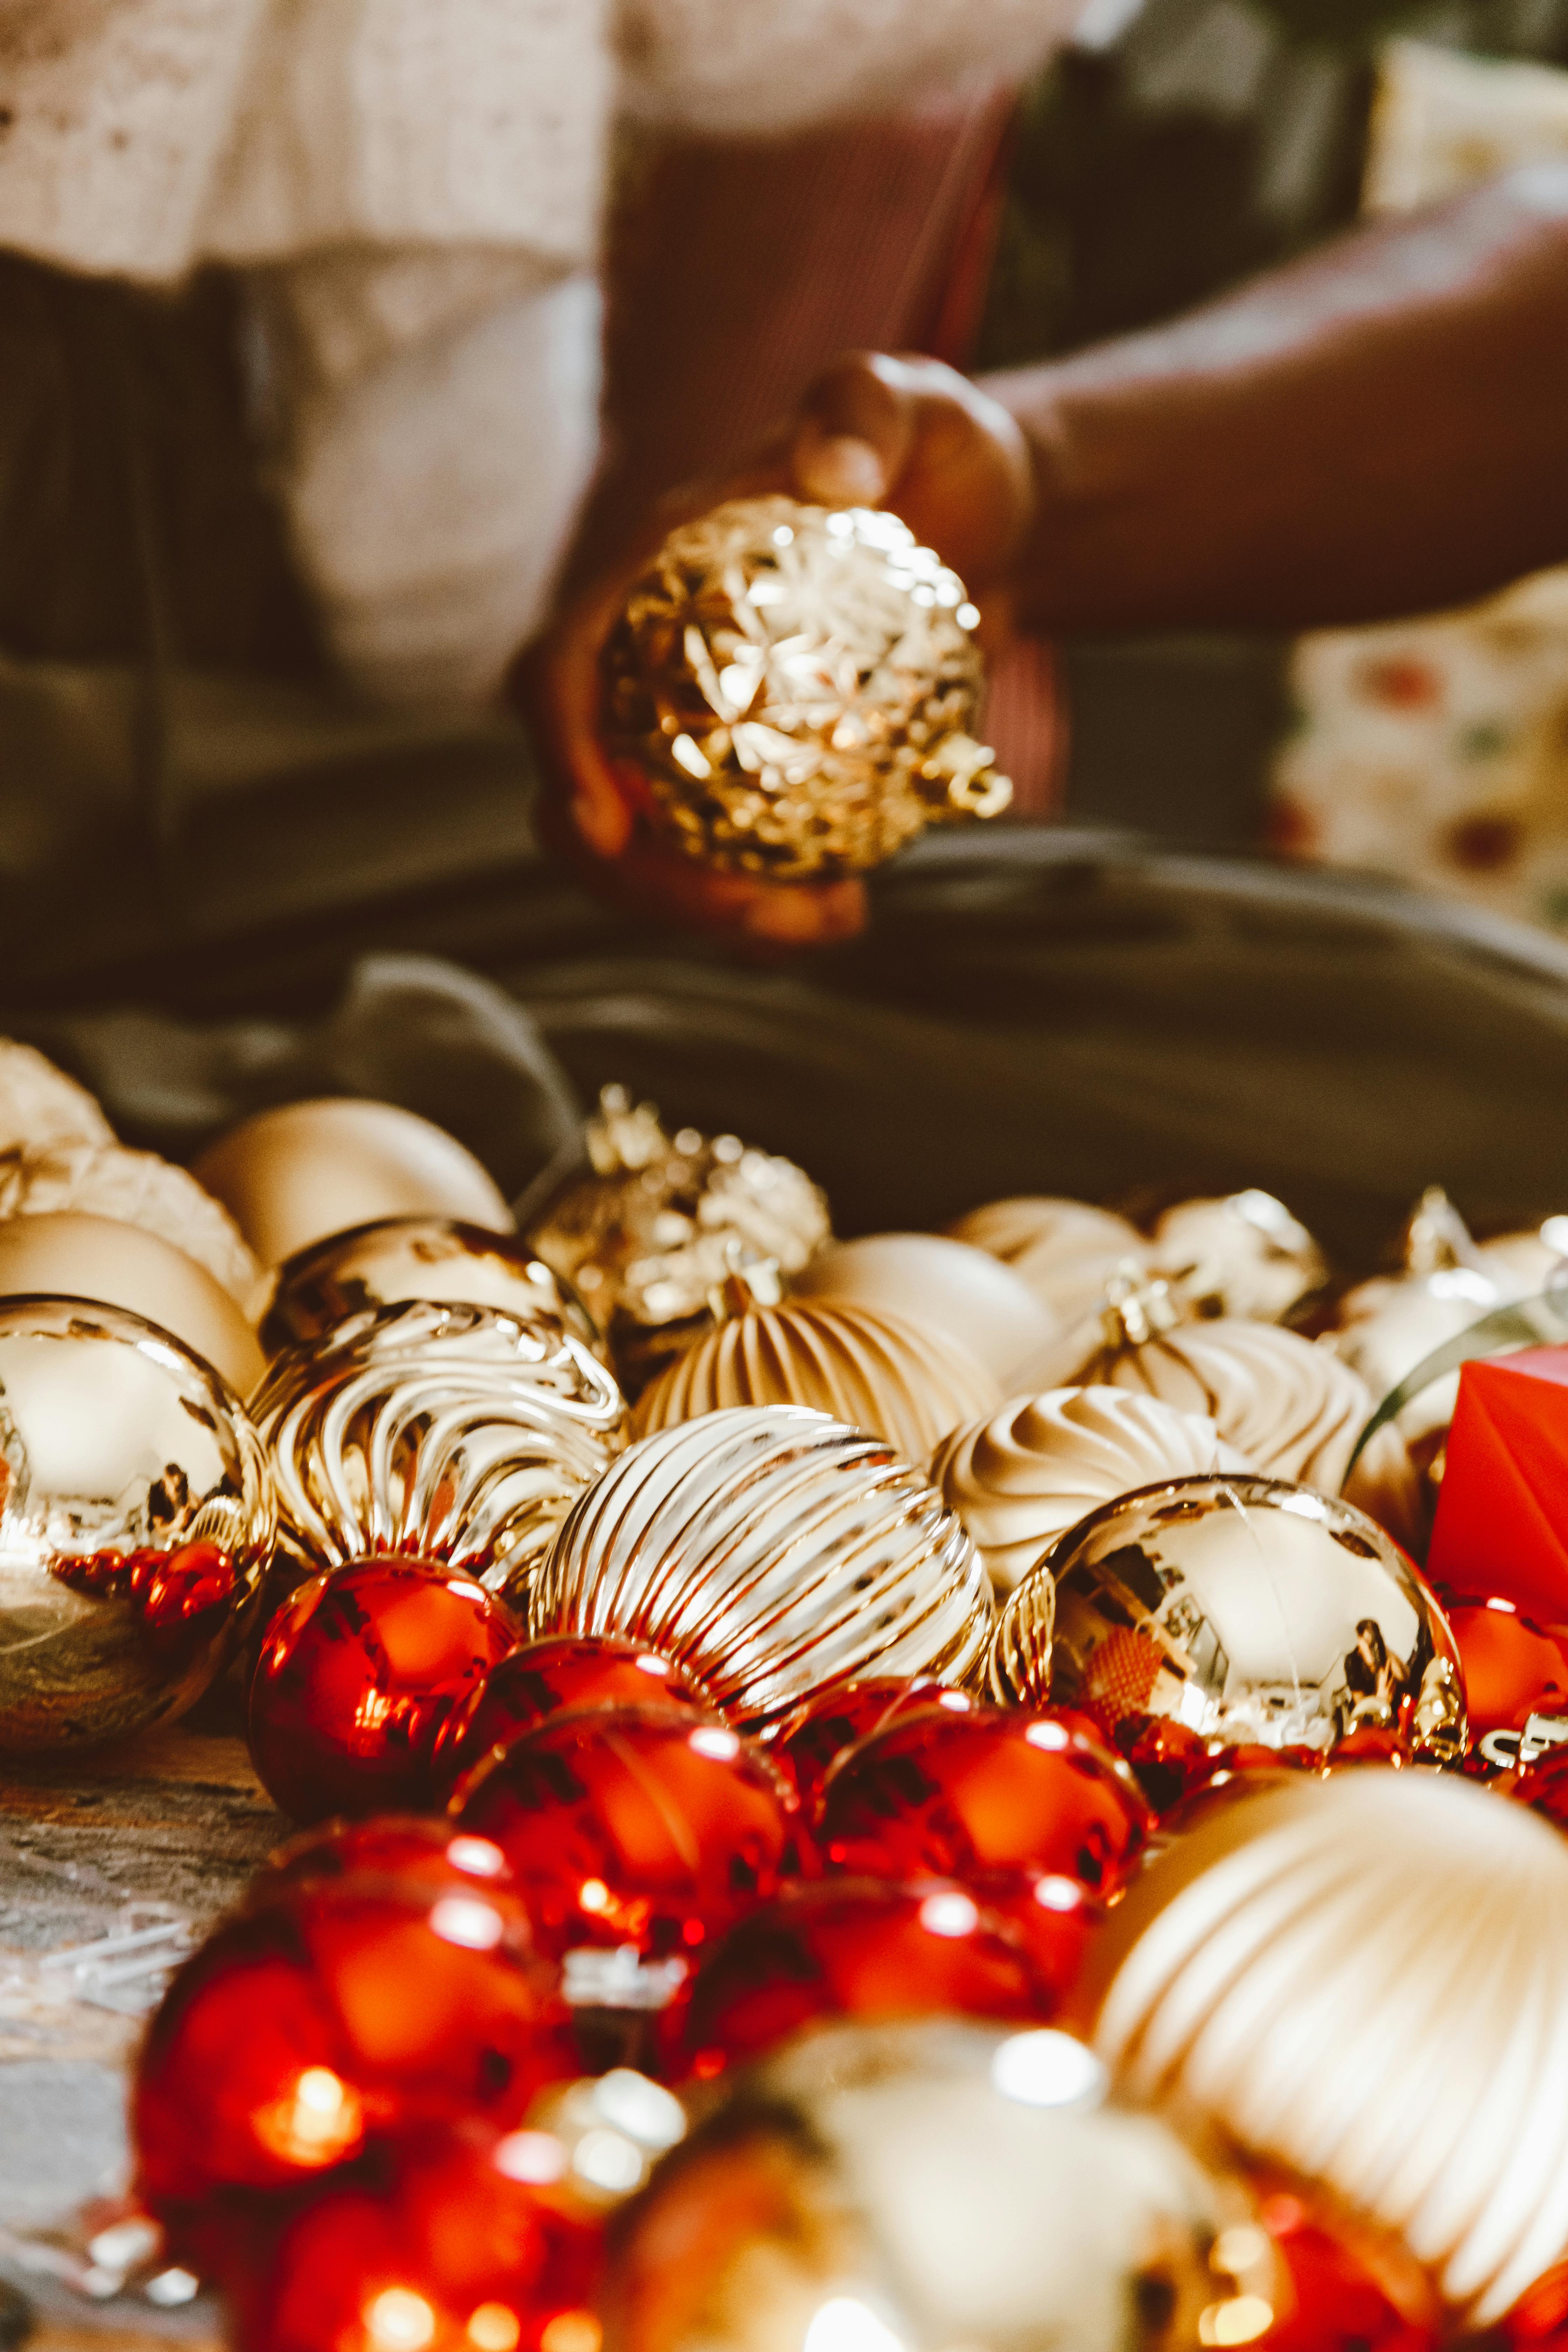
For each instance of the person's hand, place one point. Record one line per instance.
(910, 434)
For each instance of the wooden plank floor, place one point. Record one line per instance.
(157, 1834)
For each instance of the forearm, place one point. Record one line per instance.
(1382, 428)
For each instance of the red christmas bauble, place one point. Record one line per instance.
(395, 1846)
(545, 1678)
(358, 1672)
(849, 1947)
(1514, 1667)
(810, 1742)
(1543, 1786)
(444, 2250)
(1349, 2295)
(646, 1827)
(1539, 2320)
(310, 2025)
(998, 1797)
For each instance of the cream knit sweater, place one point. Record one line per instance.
(412, 188)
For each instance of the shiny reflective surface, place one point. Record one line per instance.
(1363, 1979)
(808, 1743)
(457, 1434)
(877, 2187)
(135, 1524)
(1244, 1612)
(544, 1678)
(772, 1552)
(634, 1827)
(404, 1258)
(1243, 1256)
(359, 1674)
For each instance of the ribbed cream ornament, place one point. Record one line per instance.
(133, 1188)
(770, 1551)
(1366, 1980)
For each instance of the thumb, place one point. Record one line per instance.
(855, 433)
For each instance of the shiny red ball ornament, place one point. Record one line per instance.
(338, 2012)
(998, 1797)
(1349, 2295)
(448, 2250)
(809, 1743)
(1539, 2320)
(848, 1948)
(1541, 1785)
(640, 1827)
(545, 1678)
(389, 1846)
(358, 1673)
(1514, 1668)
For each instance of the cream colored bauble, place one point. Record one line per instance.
(944, 1287)
(1024, 1475)
(39, 1105)
(874, 1372)
(120, 1266)
(133, 1188)
(1365, 1979)
(290, 1177)
(1065, 1251)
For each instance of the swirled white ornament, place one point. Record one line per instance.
(451, 1433)
(1021, 1478)
(872, 1370)
(770, 1551)
(1366, 1980)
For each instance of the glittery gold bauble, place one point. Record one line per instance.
(663, 1220)
(796, 686)
(135, 1524)
(1366, 1978)
(876, 1371)
(290, 1177)
(870, 2187)
(1065, 1251)
(402, 1258)
(1243, 1611)
(39, 1106)
(133, 1188)
(453, 1433)
(1021, 1477)
(93, 1257)
(944, 1287)
(770, 1552)
(1243, 1256)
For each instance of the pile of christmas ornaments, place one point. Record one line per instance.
(902, 1793)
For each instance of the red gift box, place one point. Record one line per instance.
(1502, 1514)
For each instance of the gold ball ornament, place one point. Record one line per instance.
(944, 1287)
(1219, 1612)
(1065, 1251)
(1243, 1256)
(403, 1258)
(793, 687)
(133, 1188)
(121, 1266)
(769, 1551)
(460, 1435)
(877, 1371)
(1365, 1978)
(290, 1177)
(655, 1229)
(1021, 1476)
(39, 1106)
(870, 2187)
(135, 1524)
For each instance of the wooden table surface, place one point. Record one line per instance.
(175, 1823)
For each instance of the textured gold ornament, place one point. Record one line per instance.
(98, 1258)
(937, 2183)
(655, 1230)
(290, 1177)
(136, 1523)
(403, 1258)
(875, 1370)
(1365, 1978)
(1021, 1477)
(949, 1290)
(1247, 1612)
(454, 1434)
(772, 1552)
(39, 1106)
(133, 1188)
(797, 686)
